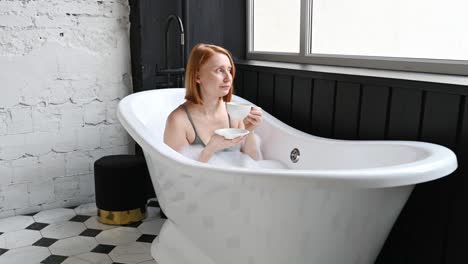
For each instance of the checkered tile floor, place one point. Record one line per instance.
(74, 236)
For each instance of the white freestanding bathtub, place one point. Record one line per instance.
(335, 205)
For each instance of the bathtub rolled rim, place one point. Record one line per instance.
(388, 176)
(440, 162)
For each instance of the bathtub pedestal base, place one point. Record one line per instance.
(171, 247)
(338, 226)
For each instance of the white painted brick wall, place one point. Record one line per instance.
(64, 66)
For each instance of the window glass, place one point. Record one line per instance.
(276, 25)
(426, 29)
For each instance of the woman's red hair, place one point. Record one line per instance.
(199, 56)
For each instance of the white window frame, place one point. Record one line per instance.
(454, 67)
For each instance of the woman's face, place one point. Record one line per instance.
(215, 77)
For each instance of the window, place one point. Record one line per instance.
(277, 25)
(416, 35)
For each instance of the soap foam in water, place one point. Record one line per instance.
(232, 159)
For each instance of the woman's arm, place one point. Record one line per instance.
(250, 146)
(250, 122)
(175, 131)
(206, 154)
(218, 143)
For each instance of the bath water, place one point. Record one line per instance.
(233, 158)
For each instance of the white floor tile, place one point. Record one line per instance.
(149, 262)
(54, 215)
(15, 223)
(30, 255)
(131, 253)
(93, 223)
(20, 238)
(151, 227)
(63, 230)
(118, 236)
(89, 258)
(87, 209)
(73, 246)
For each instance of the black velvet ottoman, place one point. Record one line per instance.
(122, 183)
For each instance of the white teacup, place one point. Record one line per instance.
(238, 111)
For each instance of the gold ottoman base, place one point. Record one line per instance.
(121, 217)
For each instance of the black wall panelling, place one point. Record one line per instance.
(238, 83)
(234, 27)
(440, 119)
(323, 107)
(282, 98)
(405, 113)
(432, 227)
(301, 102)
(219, 22)
(347, 108)
(135, 44)
(206, 22)
(266, 89)
(374, 111)
(250, 88)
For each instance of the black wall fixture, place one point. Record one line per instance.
(147, 39)
(219, 22)
(433, 226)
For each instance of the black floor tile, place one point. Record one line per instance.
(80, 218)
(163, 216)
(31, 214)
(45, 242)
(37, 226)
(54, 259)
(101, 248)
(3, 250)
(90, 232)
(146, 238)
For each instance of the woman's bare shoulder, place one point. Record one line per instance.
(177, 117)
(175, 132)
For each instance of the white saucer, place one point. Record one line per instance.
(230, 133)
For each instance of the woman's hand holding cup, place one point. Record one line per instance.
(251, 115)
(253, 119)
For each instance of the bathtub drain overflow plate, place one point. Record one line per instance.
(295, 154)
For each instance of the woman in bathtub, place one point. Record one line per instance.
(209, 82)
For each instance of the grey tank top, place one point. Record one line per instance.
(197, 139)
